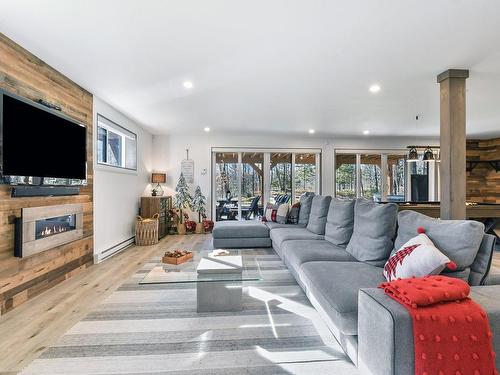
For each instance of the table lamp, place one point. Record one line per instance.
(158, 178)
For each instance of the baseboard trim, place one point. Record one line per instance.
(113, 250)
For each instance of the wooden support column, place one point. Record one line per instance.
(452, 143)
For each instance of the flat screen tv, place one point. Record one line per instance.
(37, 143)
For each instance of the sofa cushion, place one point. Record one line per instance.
(238, 229)
(279, 235)
(301, 251)
(335, 286)
(305, 207)
(459, 240)
(319, 212)
(272, 225)
(374, 231)
(340, 221)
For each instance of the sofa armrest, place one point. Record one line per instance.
(385, 330)
(385, 335)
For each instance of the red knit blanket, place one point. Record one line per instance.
(451, 333)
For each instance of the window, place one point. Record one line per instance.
(244, 180)
(370, 182)
(305, 174)
(376, 175)
(281, 177)
(395, 175)
(116, 146)
(345, 176)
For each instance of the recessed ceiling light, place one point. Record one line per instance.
(311, 131)
(188, 85)
(207, 129)
(366, 132)
(374, 88)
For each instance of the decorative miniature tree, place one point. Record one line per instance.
(181, 201)
(199, 203)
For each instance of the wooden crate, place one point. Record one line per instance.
(180, 260)
(146, 231)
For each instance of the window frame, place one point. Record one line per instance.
(123, 133)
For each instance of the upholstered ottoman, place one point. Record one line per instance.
(241, 234)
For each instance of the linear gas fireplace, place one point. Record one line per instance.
(43, 228)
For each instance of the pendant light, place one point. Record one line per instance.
(412, 154)
(428, 154)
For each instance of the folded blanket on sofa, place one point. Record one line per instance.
(451, 332)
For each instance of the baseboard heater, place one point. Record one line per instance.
(113, 250)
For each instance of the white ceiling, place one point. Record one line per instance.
(271, 66)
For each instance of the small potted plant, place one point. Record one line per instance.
(182, 200)
(199, 202)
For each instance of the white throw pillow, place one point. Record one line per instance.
(277, 212)
(418, 257)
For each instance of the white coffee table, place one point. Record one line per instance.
(219, 286)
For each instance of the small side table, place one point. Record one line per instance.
(219, 285)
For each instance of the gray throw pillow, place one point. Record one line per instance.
(319, 212)
(459, 240)
(374, 231)
(340, 221)
(305, 208)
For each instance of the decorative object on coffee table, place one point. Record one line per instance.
(182, 200)
(146, 231)
(176, 256)
(158, 178)
(199, 203)
(219, 253)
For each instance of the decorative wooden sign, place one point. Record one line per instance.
(187, 168)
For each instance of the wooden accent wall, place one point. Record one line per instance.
(483, 183)
(21, 279)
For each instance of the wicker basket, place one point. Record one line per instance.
(146, 231)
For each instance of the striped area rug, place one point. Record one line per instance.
(155, 329)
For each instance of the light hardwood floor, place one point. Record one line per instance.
(34, 326)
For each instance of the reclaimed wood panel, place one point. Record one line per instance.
(483, 182)
(25, 75)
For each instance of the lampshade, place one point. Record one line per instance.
(159, 178)
(428, 154)
(412, 154)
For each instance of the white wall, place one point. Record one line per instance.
(117, 192)
(169, 150)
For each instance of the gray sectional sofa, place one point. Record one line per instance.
(337, 252)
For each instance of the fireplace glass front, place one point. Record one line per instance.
(54, 225)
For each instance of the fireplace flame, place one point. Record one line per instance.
(53, 230)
